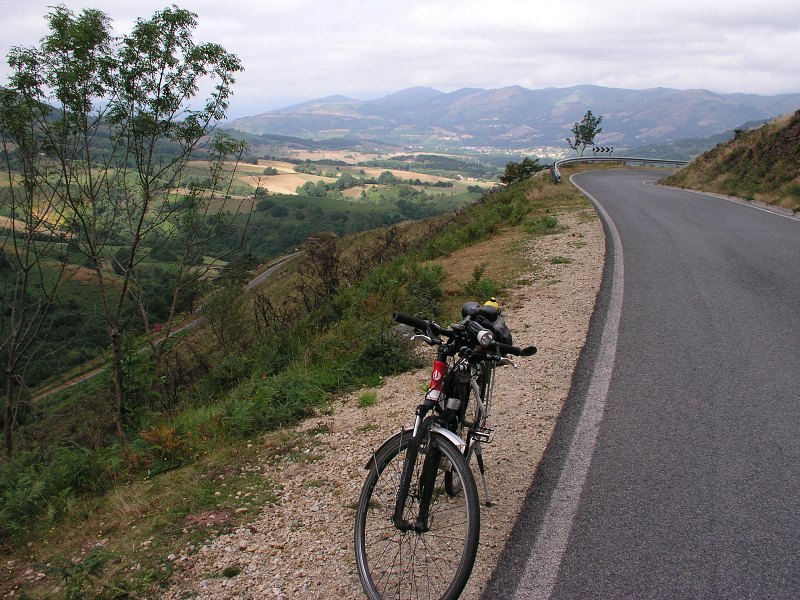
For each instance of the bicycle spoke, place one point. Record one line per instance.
(413, 564)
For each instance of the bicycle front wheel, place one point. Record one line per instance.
(409, 564)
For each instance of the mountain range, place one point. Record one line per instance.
(518, 118)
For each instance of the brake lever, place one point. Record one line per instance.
(427, 339)
(506, 361)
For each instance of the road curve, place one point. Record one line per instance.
(674, 470)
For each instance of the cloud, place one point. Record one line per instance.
(298, 50)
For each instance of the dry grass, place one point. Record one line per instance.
(761, 164)
(282, 184)
(500, 255)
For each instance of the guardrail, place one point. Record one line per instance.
(556, 175)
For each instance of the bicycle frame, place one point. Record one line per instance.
(476, 433)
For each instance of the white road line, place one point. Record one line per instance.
(541, 571)
(773, 210)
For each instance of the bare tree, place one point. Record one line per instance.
(320, 270)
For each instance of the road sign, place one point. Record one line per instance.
(602, 149)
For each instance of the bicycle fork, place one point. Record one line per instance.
(426, 481)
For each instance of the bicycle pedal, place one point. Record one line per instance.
(484, 434)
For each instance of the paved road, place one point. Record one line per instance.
(674, 471)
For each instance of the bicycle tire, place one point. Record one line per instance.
(452, 483)
(433, 564)
(461, 391)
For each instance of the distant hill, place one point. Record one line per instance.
(281, 143)
(516, 117)
(758, 164)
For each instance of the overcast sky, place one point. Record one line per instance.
(296, 50)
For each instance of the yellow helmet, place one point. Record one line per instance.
(492, 302)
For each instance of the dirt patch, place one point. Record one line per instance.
(209, 518)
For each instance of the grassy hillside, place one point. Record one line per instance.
(252, 208)
(760, 164)
(85, 510)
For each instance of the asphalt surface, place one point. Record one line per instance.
(674, 470)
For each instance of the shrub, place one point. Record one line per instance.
(480, 287)
(367, 399)
(264, 205)
(543, 225)
(278, 211)
(385, 353)
(159, 449)
(560, 260)
(424, 287)
(265, 404)
(36, 482)
(232, 369)
(517, 172)
(76, 576)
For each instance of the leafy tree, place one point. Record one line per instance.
(307, 168)
(278, 211)
(264, 205)
(307, 189)
(525, 169)
(320, 189)
(120, 122)
(387, 178)
(31, 272)
(346, 181)
(585, 132)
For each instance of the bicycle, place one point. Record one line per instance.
(418, 518)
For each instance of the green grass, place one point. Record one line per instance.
(367, 399)
(543, 225)
(560, 260)
(230, 572)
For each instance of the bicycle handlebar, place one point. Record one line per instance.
(414, 322)
(515, 350)
(421, 324)
(436, 329)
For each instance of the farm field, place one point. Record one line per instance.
(287, 180)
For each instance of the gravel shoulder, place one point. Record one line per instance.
(301, 547)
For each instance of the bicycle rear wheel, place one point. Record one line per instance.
(452, 482)
(433, 564)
